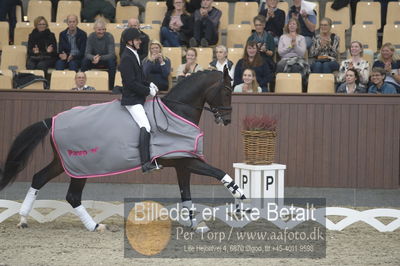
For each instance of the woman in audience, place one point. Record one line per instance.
(42, 46)
(157, 67)
(265, 41)
(177, 26)
(221, 53)
(291, 48)
(379, 86)
(357, 62)
(190, 66)
(253, 60)
(325, 49)
(351, 84)
(389, 60)
(249, 84)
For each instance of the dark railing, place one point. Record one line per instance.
(325, 140)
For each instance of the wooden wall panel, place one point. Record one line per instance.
(325, 140)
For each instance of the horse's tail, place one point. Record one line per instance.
(21, 149)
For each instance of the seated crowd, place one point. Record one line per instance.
(279, 44)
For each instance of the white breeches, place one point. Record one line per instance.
(139, 115)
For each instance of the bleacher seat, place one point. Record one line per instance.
(5, 79)
(244, 13)
(391, 33)
(123, 13)
(339, 17)
(318, 14)
(155, 12)
(118, 79)
(18, 13)
(321, 83)
(175, 55)
(97, 79)
(21, 33)
(340, 30)
(116, 30)
(366, 34)
(283, 6)
(13, 55)
(86, 27)
(56, 28)
(237, 35)
(234, 54)
(62, 80)
(204, 56)
(4, 33)
(288, 83)
(39, 8)
(224, 21)
(393, 13)
(36, 85)
(65, 8)
(369, 13)
(153, 30)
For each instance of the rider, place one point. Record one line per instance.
(134, 93)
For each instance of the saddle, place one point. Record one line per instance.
(103, 139)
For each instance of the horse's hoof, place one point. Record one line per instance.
(101, 228)
(201, 228)
(22, 225)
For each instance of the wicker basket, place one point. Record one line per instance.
(259, 146)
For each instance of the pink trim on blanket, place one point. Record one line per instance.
(127, 170)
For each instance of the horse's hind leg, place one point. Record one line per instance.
(74, 196)
(40, 179)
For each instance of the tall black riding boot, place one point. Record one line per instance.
(144, 149)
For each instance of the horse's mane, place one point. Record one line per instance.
(191, 79)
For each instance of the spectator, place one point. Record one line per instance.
(351, 84)
(389, 60)
(100, 51)
(357, 62)
(378, 80)
(221, 52)
(275, 19)
(253, 60)
(206, 23)
(42, 46)
(177, 26)
(80, 82)
(156, 67)
(249, 84)
(191, 5)
(325, 49)
(94, 8)
(307, 22)
(265, 41)
(291, 48)
(7, 13)
(190, 66)
(72, 46)
(144, 46)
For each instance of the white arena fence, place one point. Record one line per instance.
(105, 210)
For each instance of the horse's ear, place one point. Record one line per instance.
(226, 73)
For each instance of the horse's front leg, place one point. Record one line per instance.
(199, 167)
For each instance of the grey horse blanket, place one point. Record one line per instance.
(103, 139)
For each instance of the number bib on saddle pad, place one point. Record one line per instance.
(103, 139)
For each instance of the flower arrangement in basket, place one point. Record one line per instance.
(259, 133)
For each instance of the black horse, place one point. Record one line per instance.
(186, 99)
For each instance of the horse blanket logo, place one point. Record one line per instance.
(103, 139)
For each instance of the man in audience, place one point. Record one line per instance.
(72, 45)
(144, 47)
(275, 19)
(206, 23)
(307, 22)
(100, 51)
(80, 82)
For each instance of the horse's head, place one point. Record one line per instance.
(219, 98)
